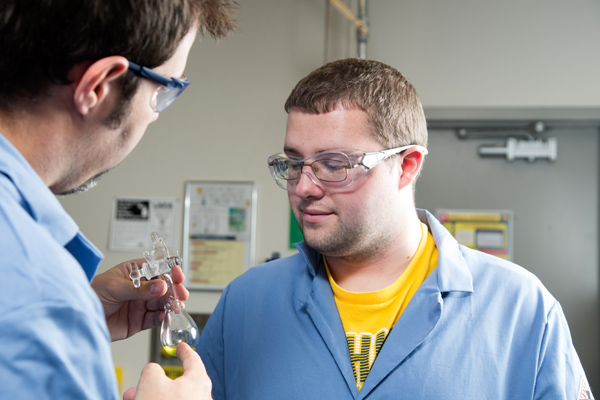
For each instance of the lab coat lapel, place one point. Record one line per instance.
(321, 308)
(423, 312)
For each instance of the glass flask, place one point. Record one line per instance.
(178, 326)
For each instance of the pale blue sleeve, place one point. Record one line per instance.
(54, 351)
(560, 374)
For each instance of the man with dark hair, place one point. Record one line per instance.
(81, 81)
(381, 302)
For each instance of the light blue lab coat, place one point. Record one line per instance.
(478, 328)
(55, 343)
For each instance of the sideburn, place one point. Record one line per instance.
(129, 83)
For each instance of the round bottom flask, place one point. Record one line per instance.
(178, 328)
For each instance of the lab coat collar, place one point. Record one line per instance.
(453, 275)
(45, 209)
(452, 271)
(312, 257)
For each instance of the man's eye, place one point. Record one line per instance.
(294, 166)
(332, 165)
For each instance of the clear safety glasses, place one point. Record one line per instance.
(165, 94)
(333, 169)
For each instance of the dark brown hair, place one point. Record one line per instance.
(41, 40)
(394, 109)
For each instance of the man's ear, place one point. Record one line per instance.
(94, 82)
(412, 160)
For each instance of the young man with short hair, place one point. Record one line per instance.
(380, 302)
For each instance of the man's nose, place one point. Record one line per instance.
(308, 184)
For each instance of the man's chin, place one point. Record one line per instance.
(84, 187)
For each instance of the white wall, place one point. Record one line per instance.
(492, 53)
(461, 53)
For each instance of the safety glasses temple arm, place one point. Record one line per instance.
(158, 78)
(369, 160)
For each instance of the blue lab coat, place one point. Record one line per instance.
(55, 343)
(478, 327)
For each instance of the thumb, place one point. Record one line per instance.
(153, 289)
(190, 360)
(123, 290)
(194, 372)
(130, 393)
(147, 290)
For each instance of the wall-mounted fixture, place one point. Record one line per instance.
(522, 141)
(520, 132)
(518, 129)
(531, 149)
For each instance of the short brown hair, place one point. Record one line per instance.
(394, 109)
(41, 40)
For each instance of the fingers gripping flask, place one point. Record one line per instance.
(178, 326)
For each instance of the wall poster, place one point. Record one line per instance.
(489, 231)
(218, 232)
(135, 218)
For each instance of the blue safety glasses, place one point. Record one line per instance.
(168, 91)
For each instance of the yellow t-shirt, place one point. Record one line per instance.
(368, 317)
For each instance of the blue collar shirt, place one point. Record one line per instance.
(56, 343)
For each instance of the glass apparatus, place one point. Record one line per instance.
(178, 326)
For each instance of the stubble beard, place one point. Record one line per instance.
(355, 243)
(84, 187)
(115, 121)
